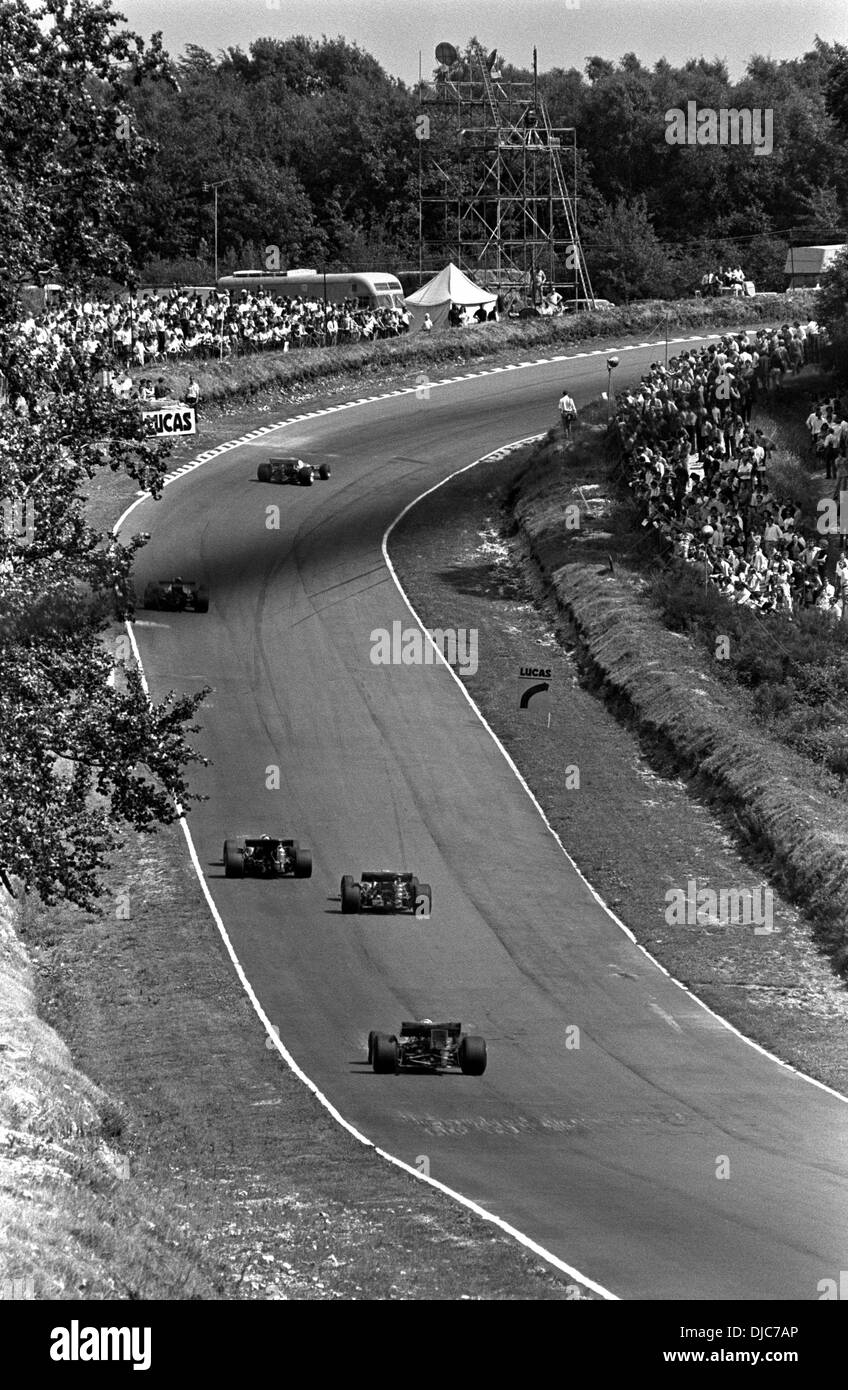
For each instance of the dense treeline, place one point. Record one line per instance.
(681, 208)
(317, 144)
(313, 138)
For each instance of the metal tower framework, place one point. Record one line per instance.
(493, 192)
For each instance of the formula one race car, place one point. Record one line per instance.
(176, 595)
(291, 470)
(265, 856)
(428, 1046)
(386, 891)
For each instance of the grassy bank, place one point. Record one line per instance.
(647, 640)
(243, 377)
(72, 1222)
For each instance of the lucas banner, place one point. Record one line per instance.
(170, 420)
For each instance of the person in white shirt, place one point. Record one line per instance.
(567, 413)
(122, 386)
(827, 596)
(772, 534)
(812, 341)
(842, 587)
(814, 422)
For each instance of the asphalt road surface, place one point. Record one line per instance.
(610, 1154)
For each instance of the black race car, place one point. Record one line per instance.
(265, 856)
(428, 1046)
(177, 595)
(291, 470)
(386, 891)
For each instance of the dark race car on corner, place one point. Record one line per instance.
(265, 856)
(428, 1046)
(385, 890)
(291, 470)
(177, 595)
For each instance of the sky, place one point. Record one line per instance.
(565, 32)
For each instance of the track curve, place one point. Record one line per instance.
(607, 1154)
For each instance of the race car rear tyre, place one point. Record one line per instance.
(263, 472)
(472, 1056)
(234, 858)
(306, 479)
(426, 892)
(384, 1053)
(302, 863)
(201, 603)
(351, 894)
(371, 1036)
(413, 892)
(324, 471)
(150, 598)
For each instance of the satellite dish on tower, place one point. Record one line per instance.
(446, 54)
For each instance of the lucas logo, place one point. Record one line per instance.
(543, 671)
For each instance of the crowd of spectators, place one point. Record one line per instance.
(728, 279)
(700, 471)
(464, 315)
(158, 328)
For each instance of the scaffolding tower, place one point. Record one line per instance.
(493, 192)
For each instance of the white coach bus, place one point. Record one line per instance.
(368, 289)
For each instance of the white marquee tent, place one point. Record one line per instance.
(450, 286)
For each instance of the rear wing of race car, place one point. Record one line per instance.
(384, 876)
(271, 841)
(411, 1029)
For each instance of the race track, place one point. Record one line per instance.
(606, 1154)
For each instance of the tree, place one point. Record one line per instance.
(69, 153)
(80, 757)
(836, 87)
(314, 139)
(832, 298)
(627, 260)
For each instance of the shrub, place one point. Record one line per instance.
(773, 700)
(835, 355)
(836, 759)
(790, 482)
